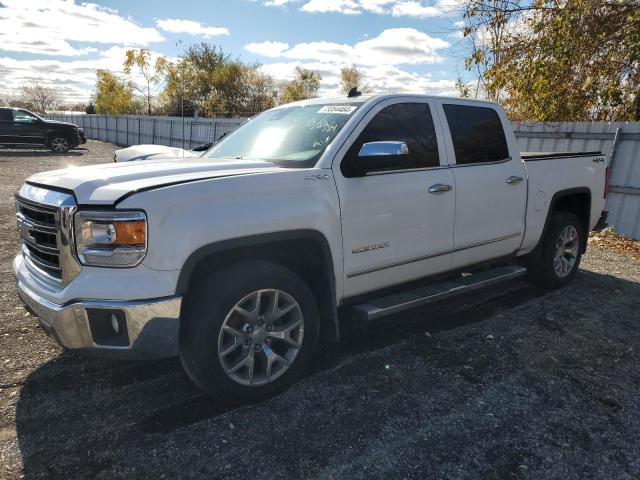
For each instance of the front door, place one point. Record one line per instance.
(397, 222)
(28, 128)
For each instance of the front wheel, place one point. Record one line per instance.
(560, 254)
(248, 331)
(60, 145)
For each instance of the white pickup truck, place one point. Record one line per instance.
(241, 260)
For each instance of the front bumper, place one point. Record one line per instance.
(148, 328)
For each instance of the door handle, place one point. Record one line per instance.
(439, 188)
(514, 180)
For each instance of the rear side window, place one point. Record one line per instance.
(477, 134)
(404, 122)
(6, 115)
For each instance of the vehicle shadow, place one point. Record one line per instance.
(78, 416)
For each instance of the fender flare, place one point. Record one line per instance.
(219, 247)
(557, 196)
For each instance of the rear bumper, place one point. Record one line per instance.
(145, 328)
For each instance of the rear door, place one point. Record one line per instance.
(27, 128)
(490, 179)
(394, 229)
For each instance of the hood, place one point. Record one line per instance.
(56, 122)
(105, 184)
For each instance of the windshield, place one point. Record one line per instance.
(292, 136)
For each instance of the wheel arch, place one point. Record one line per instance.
(572, 200)
(306, 252)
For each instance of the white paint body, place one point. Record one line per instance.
(151, 152)
(201, 201)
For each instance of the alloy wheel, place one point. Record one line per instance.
(60, 145)
(261, 336)
(567, 245)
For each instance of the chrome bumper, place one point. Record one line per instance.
(151, 325)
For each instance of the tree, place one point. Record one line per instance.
(208, 81)
(40, 98)
(573, 60)
(151, 74)
(114, 96)
(90, 109)
(350, 77)
(305, 85)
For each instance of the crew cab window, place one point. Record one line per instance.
(477, 134)
(404, 122)
(6, 115)
(23, 117)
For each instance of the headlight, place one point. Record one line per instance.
(111, 239)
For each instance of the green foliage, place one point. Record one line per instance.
(464, 90)
(90, 109)
(351, 77)
(558, 60)
(151, 74)
(305, 85)
(208, 81)
(114, 95)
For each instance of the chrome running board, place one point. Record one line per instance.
(398, 302)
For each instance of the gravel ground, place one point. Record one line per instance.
(512, 382)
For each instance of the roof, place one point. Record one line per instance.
(379, 96)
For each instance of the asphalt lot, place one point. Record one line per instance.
(511, 382)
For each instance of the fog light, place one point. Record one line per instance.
(108, 327)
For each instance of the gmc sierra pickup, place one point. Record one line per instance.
(242, 259)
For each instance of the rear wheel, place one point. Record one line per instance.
(248, 331)
(60, 144)
(561, 250)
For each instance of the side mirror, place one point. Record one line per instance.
(380, 156)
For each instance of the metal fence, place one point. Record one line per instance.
(619, 141)
(137, 129)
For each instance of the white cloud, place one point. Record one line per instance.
(267, 49)
(384, 78)
(393, 46)
(347, 7)
(50, 27)
(414, 9)
(411, 8)
(75, 79)
(176, 25)
(278, 3)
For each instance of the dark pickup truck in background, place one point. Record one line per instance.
(19, 127)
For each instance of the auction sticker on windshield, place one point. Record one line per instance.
(344, 109)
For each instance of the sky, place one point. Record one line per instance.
(398, 45)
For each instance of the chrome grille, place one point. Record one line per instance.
(45, 221)
(37, 227)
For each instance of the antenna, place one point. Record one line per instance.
(354, 93)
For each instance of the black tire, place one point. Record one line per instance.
(205, 311)
(60, 144)
(541, 264)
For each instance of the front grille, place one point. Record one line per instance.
(38, 227)
(45, 223)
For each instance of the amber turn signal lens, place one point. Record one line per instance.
(130, 233)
